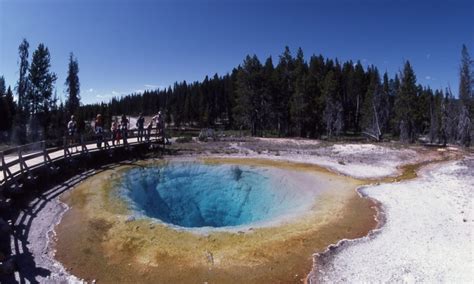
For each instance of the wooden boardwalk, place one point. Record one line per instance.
(32, 174)
(18, 163)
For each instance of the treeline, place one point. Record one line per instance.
(312, 99)
(289, 98)
(36, 114)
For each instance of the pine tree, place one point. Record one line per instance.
(3, 87)
(72, 85)
(7, 110)
(316, 75)
(394, 89)
(3, 108)
(204, 103)
(421, 110)
(22, 113)
(40, 92)
(405, 103)
(444, 121)
(333, 110)
(436, 115)
(230, 94)
(11, 107)
(465, 78)
(358, 91)
(386, 104)
(187, 109)
(466, 114)
(269, 94)
(250, 101)
(299, 100)
(285, 81)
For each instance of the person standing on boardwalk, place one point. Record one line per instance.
(158, 121)
(124, 128)
(72, 130)
(140, 127)
(99, 129)
(115, 131)
(160, 126)
(148, 130)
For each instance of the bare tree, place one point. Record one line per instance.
(450, 118)
(464, 126)
(433, 121)
(333, 117)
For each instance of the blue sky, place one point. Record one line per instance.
(127, 46)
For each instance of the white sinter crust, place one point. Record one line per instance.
(427, 236)
(356, 160)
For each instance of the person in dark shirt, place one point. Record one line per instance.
(114, 128)
(124, 128)
(140, 127)
(99, 129)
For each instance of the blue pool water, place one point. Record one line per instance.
(192, 194)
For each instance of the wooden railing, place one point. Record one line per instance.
(19, 162)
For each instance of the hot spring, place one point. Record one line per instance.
(212, 220)
(193, 194)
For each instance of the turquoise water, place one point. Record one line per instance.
(192, 194)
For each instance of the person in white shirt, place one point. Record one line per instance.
(158, 119)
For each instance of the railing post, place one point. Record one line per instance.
(45, 155)
(105, 139)
(7, 175)
(22, 162)
(125, 137)
(84, 149)
(66, 149)
(6, 170)
(47, 159)
(164, 137)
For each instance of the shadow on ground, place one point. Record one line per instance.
(27, 270)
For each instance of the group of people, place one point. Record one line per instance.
(119, 129)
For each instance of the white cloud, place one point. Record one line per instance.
(114, 93)
(428, 77)
(90, 90)
(138, 91)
